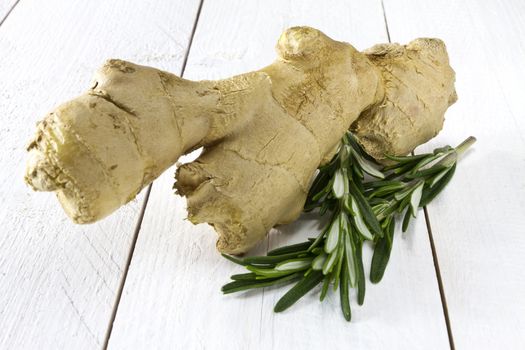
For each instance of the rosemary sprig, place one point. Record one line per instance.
(361, 209)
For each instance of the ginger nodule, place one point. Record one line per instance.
(263, 133)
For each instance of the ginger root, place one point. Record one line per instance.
(264, 133)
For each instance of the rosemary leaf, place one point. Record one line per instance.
(238, 286)
(427, 172)
(244, 276)
(338, 186)
(367, 166)
(300, 289)
(415, 198)
(234, 259)
(431, 193)
(366, 210)
(272, 259)
(270, 272)
(339, 265)
(333, 236)
(381, 255)
(434, 180)
(329, 263)
(345, 298)
(318, 262)
(294, 264)
(406, 159)
(360, 223)
(326, 287)
(290, 249)
(350, 259)
(406, 219)
(361, 283)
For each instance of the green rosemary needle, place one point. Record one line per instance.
(361, 208)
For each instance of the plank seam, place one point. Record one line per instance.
(386, 22)
(126, 269)
(262, 296)
(194, 29)
(143, 209)
(430, 237)
(439, 280)
(9, 12)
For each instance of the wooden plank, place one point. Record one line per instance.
(171, 296)
(478, 221)
(58, 281)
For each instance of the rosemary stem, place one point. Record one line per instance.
(463, 146)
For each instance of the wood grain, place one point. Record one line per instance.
(171, 297)
(478, 222)
(57, 280)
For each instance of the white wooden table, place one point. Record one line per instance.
(151, 280)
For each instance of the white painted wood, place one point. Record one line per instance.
(5, 7)
(171, 298)
(478, 222)
(58, 281)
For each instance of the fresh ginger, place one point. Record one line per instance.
(264, 133)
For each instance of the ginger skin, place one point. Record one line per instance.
(264, 133)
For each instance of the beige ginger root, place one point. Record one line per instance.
(264, 133)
